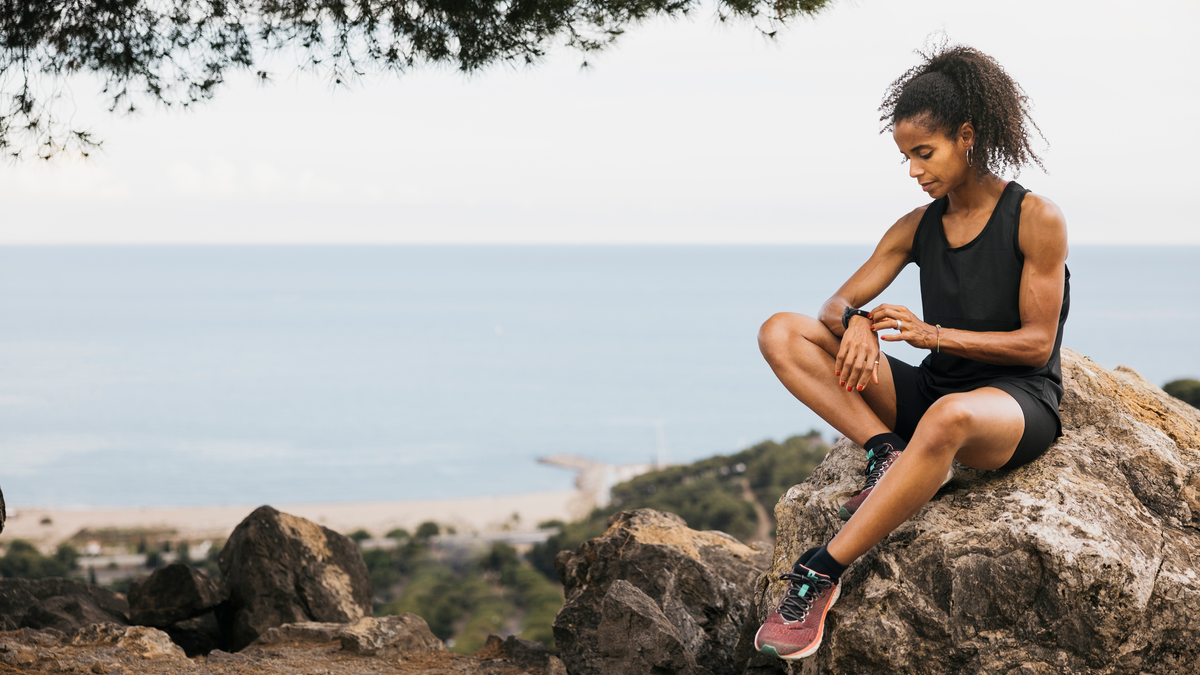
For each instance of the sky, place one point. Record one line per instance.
(685, 132)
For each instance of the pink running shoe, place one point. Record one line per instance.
(879, 461)
(794, 628)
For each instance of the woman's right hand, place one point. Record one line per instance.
(858, 358)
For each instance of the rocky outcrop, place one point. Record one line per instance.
(283, 569)
(172, 594)
(405, 634)
(1084, 561)
(61, 604)
(140, 641)
(651, 595)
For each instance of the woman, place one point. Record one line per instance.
(994, 286)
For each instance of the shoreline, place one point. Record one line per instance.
(474, 515)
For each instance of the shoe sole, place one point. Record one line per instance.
(845, 513)
(768, 649)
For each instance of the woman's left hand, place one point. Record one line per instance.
(911, 329)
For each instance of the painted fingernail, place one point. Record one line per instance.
(860, 387)
(838, 373)
(842, 383)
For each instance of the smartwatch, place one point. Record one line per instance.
(849, 312)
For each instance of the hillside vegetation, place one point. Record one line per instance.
(735, 494)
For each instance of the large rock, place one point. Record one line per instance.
(173, 593)
(404, 634)
(1084, 561)
(141, 641)
(283, 569)
(653, 596)
(62, 604)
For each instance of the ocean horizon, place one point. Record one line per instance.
(145, 376)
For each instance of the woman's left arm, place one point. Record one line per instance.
(1043, 241)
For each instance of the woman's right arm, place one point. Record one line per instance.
(855, 365)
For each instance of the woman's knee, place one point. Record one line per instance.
(778, 334)
(950, 415)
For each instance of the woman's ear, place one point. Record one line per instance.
(966, 134)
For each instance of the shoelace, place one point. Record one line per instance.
(877, 464)
(799, 598)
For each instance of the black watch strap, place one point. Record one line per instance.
(849, 312)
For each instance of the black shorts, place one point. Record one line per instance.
(1041, 424)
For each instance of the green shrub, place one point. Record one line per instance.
(359, 536)
(427, 529)
(466, 599)
(183, 553)
(22, 560)
(1186, 390)
(383, 569)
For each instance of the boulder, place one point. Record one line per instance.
(283, 569)
(139, 641)
(58, 603)
(1085, 560)
(173, 593)
(652, 594)
(404, 634)
(387, 636)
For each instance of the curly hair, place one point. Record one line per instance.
(956, 84)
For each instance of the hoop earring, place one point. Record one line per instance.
(970, 151)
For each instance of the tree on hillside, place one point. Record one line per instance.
(1186, 390)
(178, 52)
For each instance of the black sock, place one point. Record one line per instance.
(823, 563)
(886, 437)
(803, 559)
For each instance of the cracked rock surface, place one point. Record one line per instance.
(1087, 560)
(653, 596)
(283, 569)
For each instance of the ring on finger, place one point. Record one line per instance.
(899, 325)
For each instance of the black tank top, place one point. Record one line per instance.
(977, 287)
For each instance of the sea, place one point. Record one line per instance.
(148, 376)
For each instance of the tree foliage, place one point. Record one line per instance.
(465, 595)
(179, 52)
(1186, 390)
(22, 560)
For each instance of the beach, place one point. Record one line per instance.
(477, 515)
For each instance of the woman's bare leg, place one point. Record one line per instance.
(980, 429)
(802, 350)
